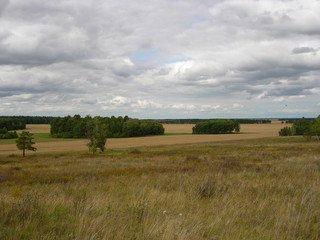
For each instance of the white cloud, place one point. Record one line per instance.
(315, 90)
(184, 106)
(237, 106)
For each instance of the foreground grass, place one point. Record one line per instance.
(262, 189)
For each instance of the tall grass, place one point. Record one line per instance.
(266, 189)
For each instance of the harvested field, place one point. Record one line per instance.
(37, 128)
(178, 128)
(248, 131)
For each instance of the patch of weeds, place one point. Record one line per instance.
(26, 208)
(230, 165)
(78, 201)
(317, 166)
(40, 166)
(211, 188)
(8, 174)
(15, 191)
(206, 189)
(138, 209)
(192, 158)
(54, 178)
(16, 168)
(59, 155)
(7, 162)
(135, 151)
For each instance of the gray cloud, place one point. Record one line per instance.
(300, 50)
(3, 5)
(159, 58)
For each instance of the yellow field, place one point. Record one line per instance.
(248, 131)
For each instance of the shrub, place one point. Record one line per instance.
(4, 134)
(286, 131)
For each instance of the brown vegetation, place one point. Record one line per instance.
(248, 189)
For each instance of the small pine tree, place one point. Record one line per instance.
(25, 142)
(97, 135)
(286, 131)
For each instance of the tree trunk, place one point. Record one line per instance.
(23, 152)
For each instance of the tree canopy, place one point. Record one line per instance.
(12, 123)
(25, 142)
(115, 127)
(218, 126)
(304, 127)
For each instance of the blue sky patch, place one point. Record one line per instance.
(144, 55)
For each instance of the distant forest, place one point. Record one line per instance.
(19, 122)
(194, 121)
(113, 127)
(12, 123)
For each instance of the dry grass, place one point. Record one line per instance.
(248, 131)
(253, 189)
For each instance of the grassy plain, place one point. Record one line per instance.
(247, 189)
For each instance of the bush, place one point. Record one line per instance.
(219, 126)
(286, 131)
(5, 134)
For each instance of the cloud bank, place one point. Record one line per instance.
(160, 59)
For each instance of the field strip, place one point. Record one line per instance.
(249, 131)
(119, 143)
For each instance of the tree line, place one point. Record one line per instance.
(19, 122)
(30, 119)
(217, 126)
(113, 127)
(12, 123)
(304, 127)
(196, 120)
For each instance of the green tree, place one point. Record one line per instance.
(315, 127)
(286, 131)
(25, 142)
(97, 134)
(217, 126)
(302, 127)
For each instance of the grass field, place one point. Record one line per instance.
(250, 189)
(175, 134)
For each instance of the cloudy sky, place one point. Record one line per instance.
(160, 58)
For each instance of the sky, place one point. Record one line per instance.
(157, 59)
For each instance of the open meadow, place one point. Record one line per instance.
(249, 189)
